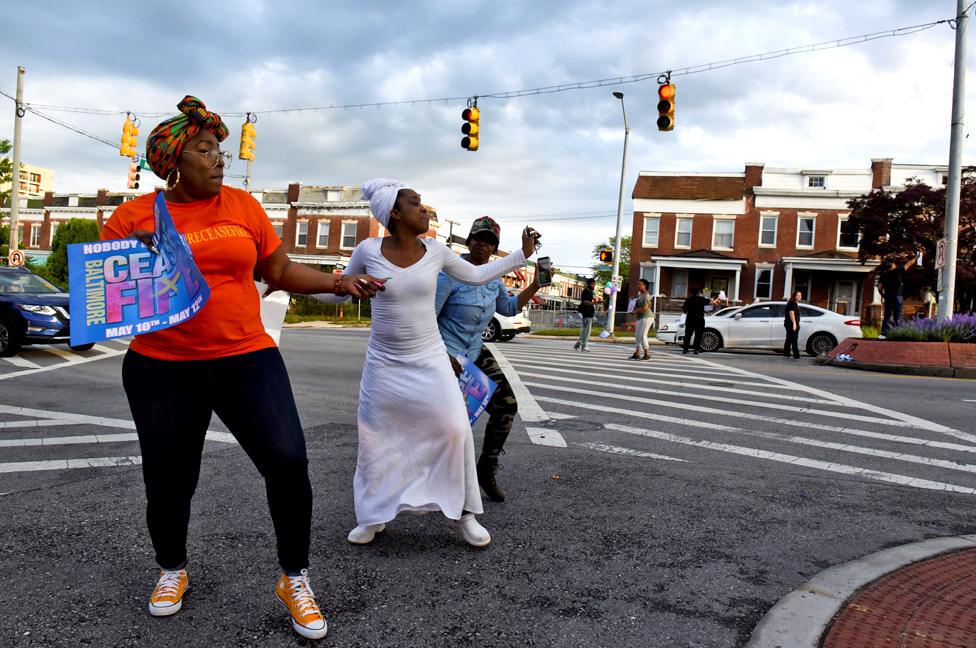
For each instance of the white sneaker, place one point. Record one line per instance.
(474, 534)
(365, 534)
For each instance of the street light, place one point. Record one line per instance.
(614, 276)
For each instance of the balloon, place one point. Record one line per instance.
(613, 289)
(606, 291)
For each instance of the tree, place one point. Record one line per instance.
(898, 225)
(603, 276)
(6, 167)
(76, 230)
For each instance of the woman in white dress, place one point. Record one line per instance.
(416, 451)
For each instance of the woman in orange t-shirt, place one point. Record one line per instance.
(220, 361)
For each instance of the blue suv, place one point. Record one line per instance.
(32, 311)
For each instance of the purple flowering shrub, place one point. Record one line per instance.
(961, 328)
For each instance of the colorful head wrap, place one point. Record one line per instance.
(484, 225)
(381, 194)
(165, 142)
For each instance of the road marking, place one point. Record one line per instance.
(602, 447)
(795, 409)
(630, 366)
(68, 356)
(63, 464)
(9, 425)
(545, 437)
(943, 445)
(23, 363)
(61, 365)
(528, 409)
(891, 478)
(724, 390)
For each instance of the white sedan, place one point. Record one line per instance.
(668, 333)
(760, 326)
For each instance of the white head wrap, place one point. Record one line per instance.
(381, 194)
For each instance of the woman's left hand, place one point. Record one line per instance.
(362, 286)
(530, 238)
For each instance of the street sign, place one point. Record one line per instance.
(605, 267)
(940, 254)
(144, 164)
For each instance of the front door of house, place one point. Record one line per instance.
(846, 299)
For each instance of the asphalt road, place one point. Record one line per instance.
(662, 503)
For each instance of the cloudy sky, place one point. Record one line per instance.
(548, 159)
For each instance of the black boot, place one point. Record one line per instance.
(487, 467)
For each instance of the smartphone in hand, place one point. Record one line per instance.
(543, 266)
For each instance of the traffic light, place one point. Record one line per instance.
(665, 107)
(130, 134)
(606, 256)
(471, 128)
(133, 182)
(248, 133)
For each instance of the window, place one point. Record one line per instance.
(54, 230)
(847, 236)
(35, 237)
(20, 233)
(764, 283)
(816, 182)
(804, 231)
(333, 195)
(323, 234)
(764, 311)
(348, 236)
(945, 179)
(301, 234)
(723, 232)
(648, 273)
(682, 235)
(801, 282)
(806, 311)
(767, 231)
(279, 228)
(679, 283)
(652, 226)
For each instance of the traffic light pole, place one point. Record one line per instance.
(612, 306)
(947, 297)
(15, 169)
(247, 174)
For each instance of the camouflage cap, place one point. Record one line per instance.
(485, 225)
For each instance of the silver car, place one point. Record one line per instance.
(760, 326)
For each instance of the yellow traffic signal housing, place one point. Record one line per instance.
(130, 134)
(248, 134)
(133, 182)
(665, 107)
(471, 128)
(606, 256)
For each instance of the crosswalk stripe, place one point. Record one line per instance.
(546, 437)
(69, 440)
(529, 410)
(603, 447)
(64, 464)
(710, 410)
(64, 354)
(79, 360)
(23, 363)
(892, 478)
(9, 425)
(630, 366)
(724, 390)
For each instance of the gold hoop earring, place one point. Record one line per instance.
(171, 185)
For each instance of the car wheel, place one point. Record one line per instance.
(506, 337)
(493, 332)
(820, 344)
(711, 341)
(82, 347)
(9, 344)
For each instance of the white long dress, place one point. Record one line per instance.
(416, 450)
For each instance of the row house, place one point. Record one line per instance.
(760, 234)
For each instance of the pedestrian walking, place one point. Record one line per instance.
(416, 451)
(220, 361)
(890, 284)
(791, 322)
(694, 310)
(586, 311)
(463, 313)
(642, 311)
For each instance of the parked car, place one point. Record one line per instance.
(760, 326)
(32, 311)
(668, 333)
(503, 329)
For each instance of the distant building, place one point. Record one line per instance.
(35, 181)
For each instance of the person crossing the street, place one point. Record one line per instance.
(791, 321)
(694, 310)
(463, 313)
(586, 310)
(642, 311)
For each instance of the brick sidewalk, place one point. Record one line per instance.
(930, 604)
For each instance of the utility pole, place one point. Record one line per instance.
(612, 306)
(947, 296)
(247, 174)
(15, 172)
(450, 234)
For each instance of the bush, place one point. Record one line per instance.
(961, 328)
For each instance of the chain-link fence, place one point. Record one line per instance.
(571, 319)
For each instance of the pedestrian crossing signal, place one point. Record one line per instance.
(471, 128)
(606, 256)
(665, 107)
(133, 182)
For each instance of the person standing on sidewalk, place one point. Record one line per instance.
(642, 311)
(586, 311)
(463, 313)
(791, 321)
(220, 362)
(890, 286)
(694, 310)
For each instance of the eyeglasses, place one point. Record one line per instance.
(215, 155)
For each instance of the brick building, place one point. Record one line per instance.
(761, 233)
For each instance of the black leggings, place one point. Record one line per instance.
(172, 403)
(792, 341)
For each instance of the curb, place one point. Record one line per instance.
(908, 370)
(800, 618)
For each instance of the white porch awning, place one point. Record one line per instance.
(697, 263)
